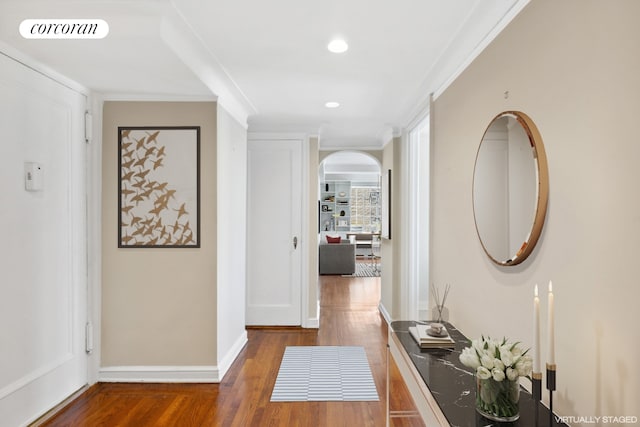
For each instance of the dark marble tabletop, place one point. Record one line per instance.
(453, 385)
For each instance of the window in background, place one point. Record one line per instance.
(365, 209)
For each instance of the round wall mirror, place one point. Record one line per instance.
(510, 188)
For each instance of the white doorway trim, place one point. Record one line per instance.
(416, 206)
(94, 239)
(306, 238)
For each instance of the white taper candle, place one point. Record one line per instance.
(536, 330)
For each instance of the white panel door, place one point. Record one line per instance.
(43, 252)
(274, 226)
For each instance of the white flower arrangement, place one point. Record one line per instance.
(498, 360)
(494, 362)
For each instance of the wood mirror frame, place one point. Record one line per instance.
(485, 211)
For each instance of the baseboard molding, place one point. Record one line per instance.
(54, 411)
(385, 313)
(312, 324)
(225, 363)
(159, 374)
(174, 374)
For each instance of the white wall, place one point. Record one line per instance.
(42, 255)
(571, 66)
(391, 292)
(232, 190)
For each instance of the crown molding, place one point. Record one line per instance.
(37, 66)
(452, 63)
(480, 47)
(180, 37)
(266, 136)
(134, 97)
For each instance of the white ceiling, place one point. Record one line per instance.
(266, 61)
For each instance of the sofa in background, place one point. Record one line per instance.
(337, 258)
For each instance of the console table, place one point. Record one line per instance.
(442, 388)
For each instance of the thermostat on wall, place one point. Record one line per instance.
(33, 176)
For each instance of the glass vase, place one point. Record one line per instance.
(498, 400)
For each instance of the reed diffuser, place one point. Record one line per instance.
(440, 299)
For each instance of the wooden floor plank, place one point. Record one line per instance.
(349, 316)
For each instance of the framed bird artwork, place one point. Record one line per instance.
(159, 187)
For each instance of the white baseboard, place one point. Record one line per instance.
(174, 374)
(384, 313)
(225, 363)
(159, 374)
(312, 323)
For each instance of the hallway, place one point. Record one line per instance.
(349, 316)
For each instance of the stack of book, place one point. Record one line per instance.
(424, 340)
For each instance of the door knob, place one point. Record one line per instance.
(295, 242)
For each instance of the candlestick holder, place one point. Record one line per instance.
(551, 386)
(536, 388)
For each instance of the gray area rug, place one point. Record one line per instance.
(365, 270)
(324, 373)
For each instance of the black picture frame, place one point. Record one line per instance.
(159, 187)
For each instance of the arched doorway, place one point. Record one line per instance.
(349, 209)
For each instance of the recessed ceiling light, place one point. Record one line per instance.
(332, 104)
(338, 46)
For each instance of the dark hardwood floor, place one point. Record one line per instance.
(349, 316)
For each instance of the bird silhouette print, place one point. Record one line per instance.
(147, 199)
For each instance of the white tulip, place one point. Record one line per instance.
(492, 346)
(469, 358)
(497, 374)
(487, 361)
(506, 357)
(516, 351)
(524, 365)
(497, 360)
(483, 373)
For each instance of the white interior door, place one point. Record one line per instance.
(43, 252)
(274, 220)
